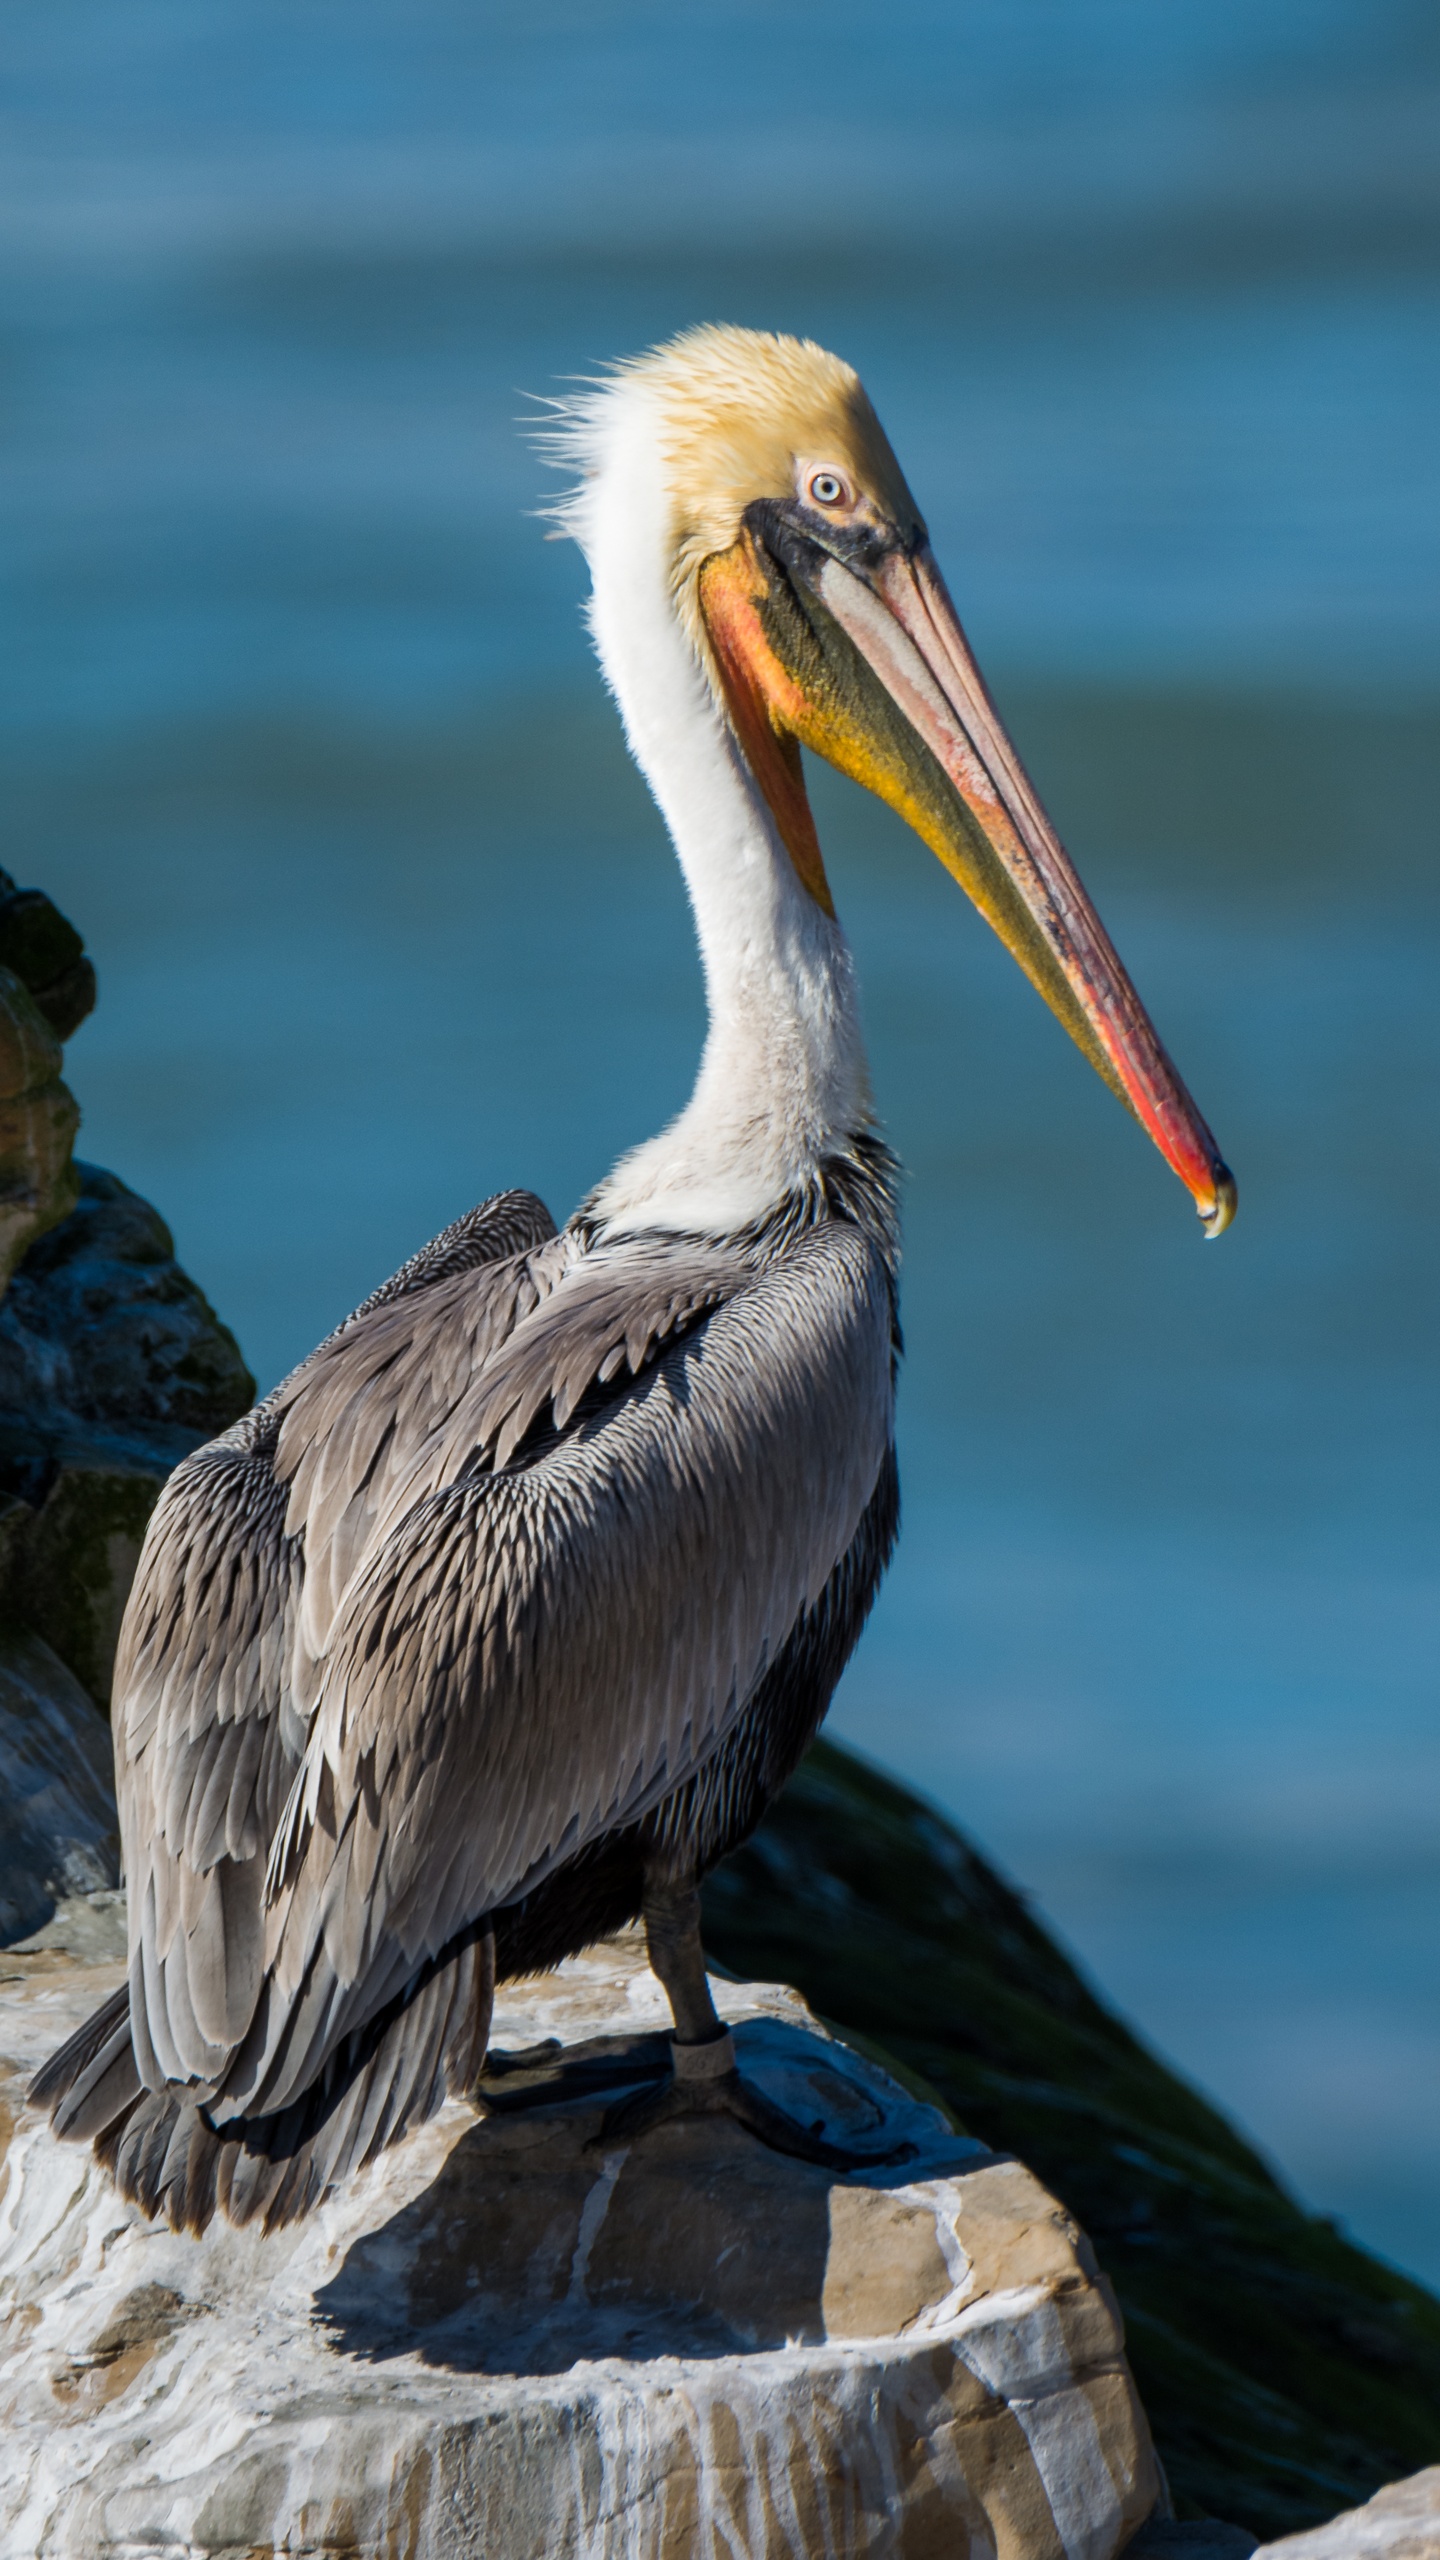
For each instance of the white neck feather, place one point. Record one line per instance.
(783, 1078)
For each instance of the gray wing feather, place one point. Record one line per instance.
(531, 1656)
(214, 1681)
(611, 1316)
(167, 2156)
(364, 1415)
(508, 1222)
(205, 1749)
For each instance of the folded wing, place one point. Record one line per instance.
(212, 1691)
(532, 1654)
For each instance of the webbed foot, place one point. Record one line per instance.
(706, 2081)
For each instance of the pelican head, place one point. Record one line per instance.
(799, 568)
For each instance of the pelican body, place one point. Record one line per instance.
(506, 1615)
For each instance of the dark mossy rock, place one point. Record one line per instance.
(1286, 2374)
(58, 1831)
(47, 955)
(108, 1347)
(113, 1366)
(77, 1563)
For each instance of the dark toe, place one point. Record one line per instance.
(734, 2096)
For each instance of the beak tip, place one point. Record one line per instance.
(1222, 1210)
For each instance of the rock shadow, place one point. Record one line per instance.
(532, 2250)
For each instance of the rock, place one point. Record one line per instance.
(503, 2341)
(1401, 2523)
(112, 1365)
(78, 1560)
(112, 1368)
(90, 1926)
(1286, 2373)
(38, 1120)
(107, 1349)
(47, 986)
(1261, 2330)
(1166, 2538)
(58, 1834)
(42, 948)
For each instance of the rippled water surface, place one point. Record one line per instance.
(297, 720)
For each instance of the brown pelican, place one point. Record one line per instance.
(502, 1619)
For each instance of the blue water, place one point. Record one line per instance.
(297, 720)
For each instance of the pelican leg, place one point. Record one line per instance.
(671, 1914)
(705, 2077)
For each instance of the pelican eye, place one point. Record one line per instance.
(827, 488)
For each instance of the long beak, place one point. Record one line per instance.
(864, 661)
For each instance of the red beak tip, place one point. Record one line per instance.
(1222, 1209)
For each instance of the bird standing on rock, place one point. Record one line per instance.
(505, 1616)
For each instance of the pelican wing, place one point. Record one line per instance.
(508, 1222)
(206, 1744)
(534, 1654)
(212, 1692)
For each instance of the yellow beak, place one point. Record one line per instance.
(863, 659)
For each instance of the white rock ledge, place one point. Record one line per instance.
(501, 2343)
(1401, 2522)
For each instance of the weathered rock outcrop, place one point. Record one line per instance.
(47, 986)
(42, 949)
(1286, 2372)
(59, 1839)
(1401, 2522)
(510, 2339)
(112, 1367)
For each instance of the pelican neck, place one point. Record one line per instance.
(782, 1080)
